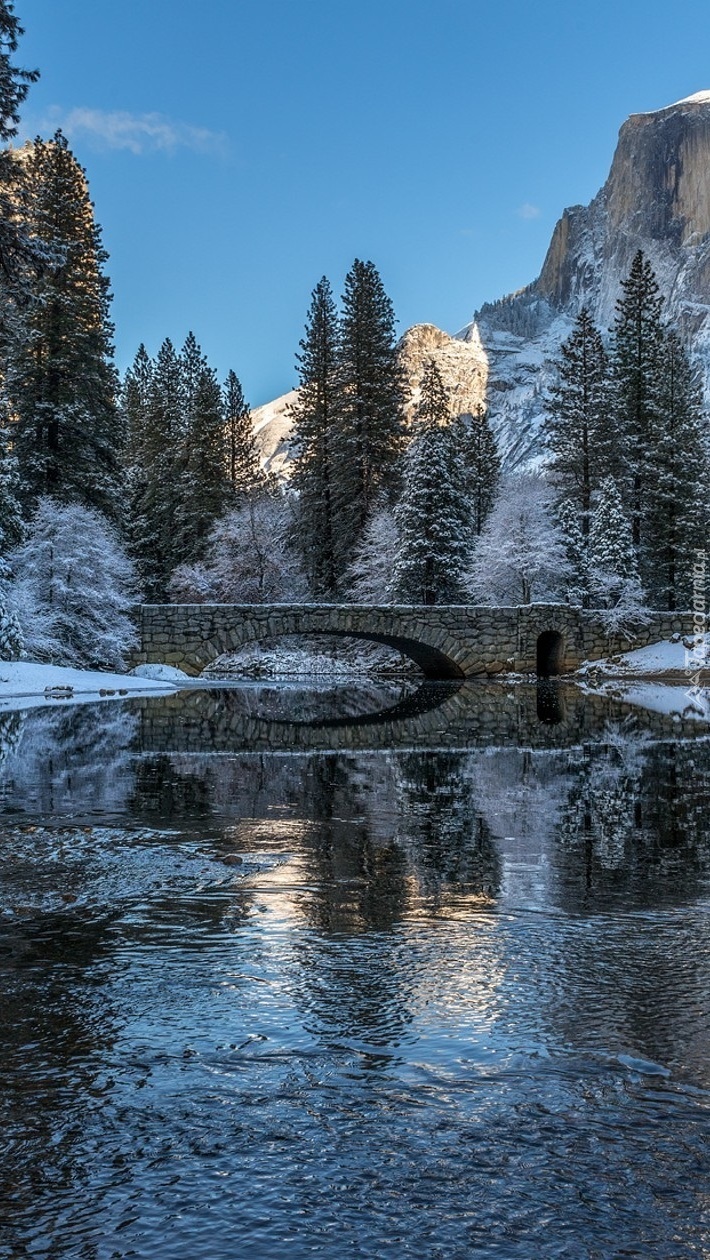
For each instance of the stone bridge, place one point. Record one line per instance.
(445, 642)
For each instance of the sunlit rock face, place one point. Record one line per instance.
(462, 365)
(657, 198)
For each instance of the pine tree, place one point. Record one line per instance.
(371, 394)
(11, 523)
(245, 472)
(578, 426)
(16, 247)
(315, 417)
(135, 402)
(12, 643)
(576, 550)
(156, 422)
(636, 368)
(613, 562)
(434, 514)
(676, 518)
(203, 485)
(480, 463)
(60, 378)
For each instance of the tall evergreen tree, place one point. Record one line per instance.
(371, 424)
(16, 247)
(321, 538)
(434, 513)
(11, 524)
(578, 427)
(156, 421)
(193, 363)
(576, 547)
(612, 555)
(636, 360)
(203, 483)
(246, 475)
(676, 518)
(60, 379)
(135, 403)
(480, 464)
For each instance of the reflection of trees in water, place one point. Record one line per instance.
(521, 794)
(56, 1028)
(74, 759)
(164, 792)
(448, 842)
(359, 874)
(179, 788)
(356, 884)
(635, 823)
(633, 837)
(10, 732)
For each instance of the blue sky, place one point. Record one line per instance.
(238, 150)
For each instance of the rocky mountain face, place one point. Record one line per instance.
(462, 364)
(657, 198)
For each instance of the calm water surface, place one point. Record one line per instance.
(435, 985)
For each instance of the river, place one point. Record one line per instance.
(355, 972)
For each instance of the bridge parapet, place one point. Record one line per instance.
(445, 641)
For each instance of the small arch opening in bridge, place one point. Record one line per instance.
(550, 654)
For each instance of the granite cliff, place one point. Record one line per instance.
(657, 198)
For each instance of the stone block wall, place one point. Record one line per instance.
(456, 641)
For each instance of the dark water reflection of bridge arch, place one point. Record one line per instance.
(454, 715)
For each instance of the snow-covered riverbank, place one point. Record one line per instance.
(35, 684)
(666, 677)
(676, 659)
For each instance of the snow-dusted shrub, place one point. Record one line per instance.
(73, 587)
(250, 559)
(520, 554)
(622, 606)
(11, 638)
(370, 577)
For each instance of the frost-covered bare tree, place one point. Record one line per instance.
(520, 555)
(371, 575)
(249, 559)
(72, 588)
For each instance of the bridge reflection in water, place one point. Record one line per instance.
(288, 719)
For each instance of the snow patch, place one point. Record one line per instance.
(44, 684)
(676, 656)
(697, 98)
(160, 673)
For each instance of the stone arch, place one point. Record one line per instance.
(550, 654)
(433, 660)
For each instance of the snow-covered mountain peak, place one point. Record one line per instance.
(697, 98)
